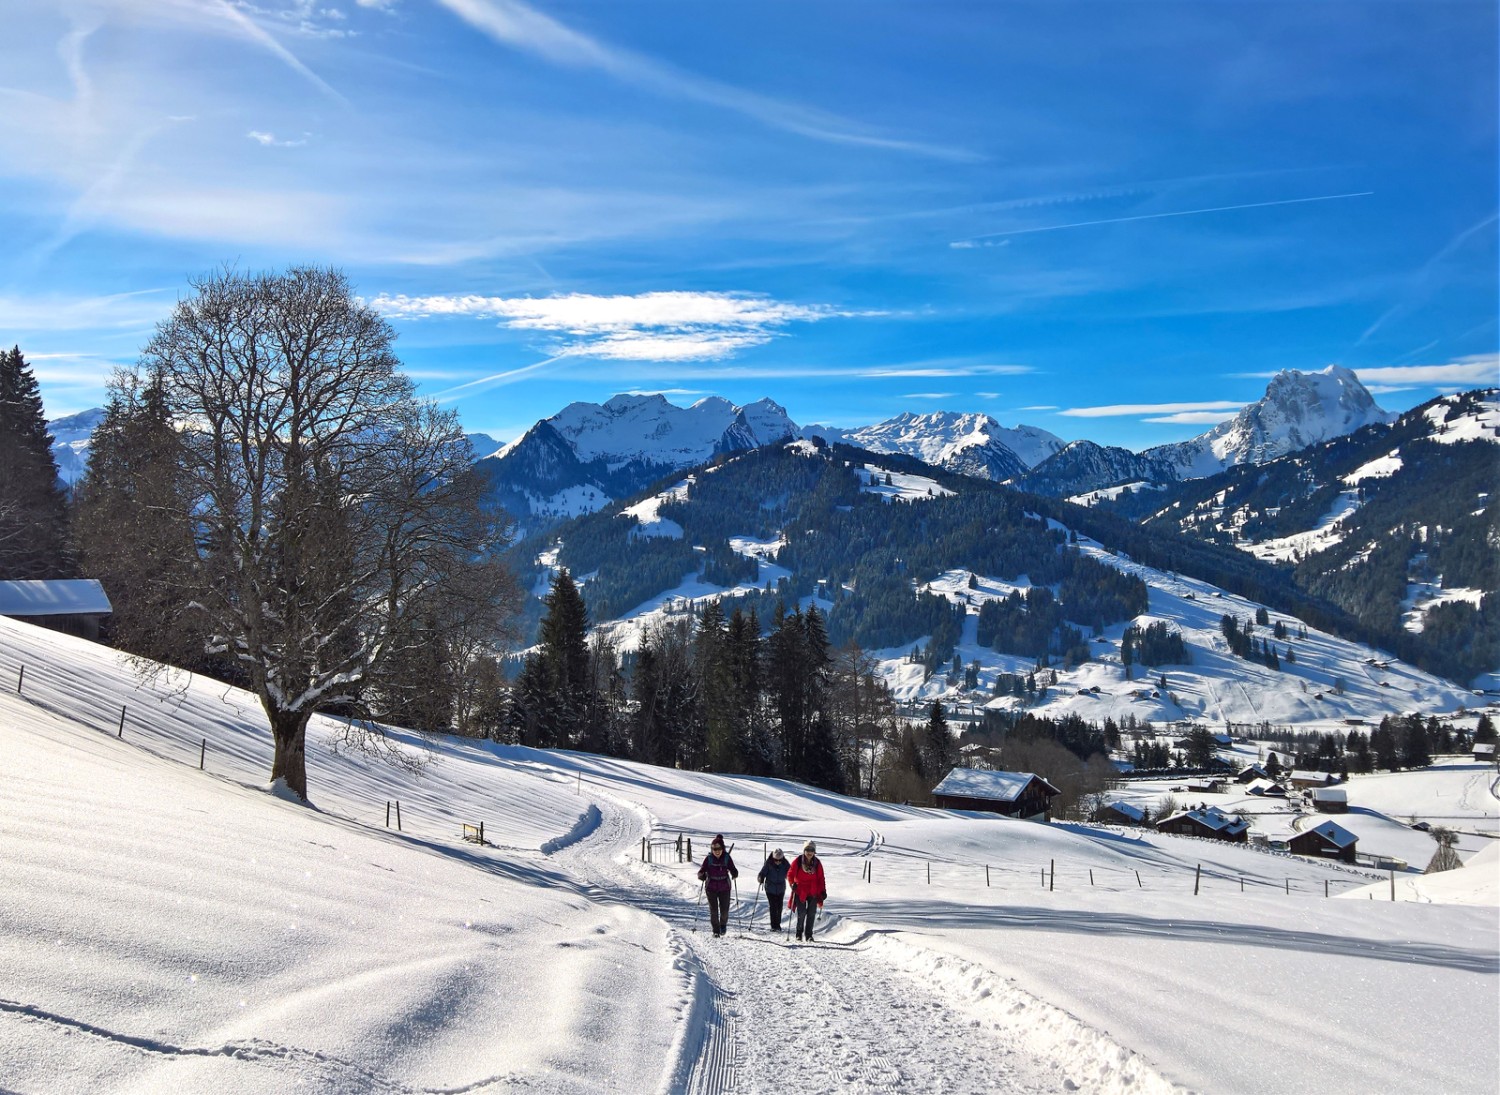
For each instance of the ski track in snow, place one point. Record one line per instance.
(769, 1012)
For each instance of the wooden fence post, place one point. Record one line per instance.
(481, 834)
(1393, 883)
(929, 872)
(387, 813)
(1197, 875)
(398, 815)
(1091, 876)
(20, 679)
(202, 752)
(1052, 876)
(986, 874)
(120, 730)
(1138, 881)
(1325, 887)
(1289, 887)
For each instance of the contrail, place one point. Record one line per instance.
(1179, 213)
(463, 391)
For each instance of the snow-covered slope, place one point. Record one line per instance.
(169, 929)
(1298, 409)
(71, 438)
(971, 444)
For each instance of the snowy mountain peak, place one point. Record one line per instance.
(971, 443)
(1298, 409)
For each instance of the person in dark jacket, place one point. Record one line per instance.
(718, 868)
(809, 889)
(773, 874)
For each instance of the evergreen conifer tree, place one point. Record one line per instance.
(33, 505)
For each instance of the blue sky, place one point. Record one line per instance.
(1111, 220)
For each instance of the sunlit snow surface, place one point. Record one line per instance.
(166, 929)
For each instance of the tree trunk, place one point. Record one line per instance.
(289, 732)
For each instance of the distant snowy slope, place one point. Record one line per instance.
(72, 437)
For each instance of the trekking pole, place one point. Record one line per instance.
(750, 917)
(702, 903)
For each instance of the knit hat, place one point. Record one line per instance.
(718, 839)
(809, 847)
(777, 853)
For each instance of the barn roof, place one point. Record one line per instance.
(1211, 817)
(56, 597)
(1135, 813)
(1336, 835)
(1330, 794)
(982, 783)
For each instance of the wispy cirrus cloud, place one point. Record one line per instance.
(519, 26)
(929, 395)
(1192, 418)
(270, 140)
(1473, 370)
(1219, 408)
(658, 326)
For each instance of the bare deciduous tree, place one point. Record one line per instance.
(332, 507)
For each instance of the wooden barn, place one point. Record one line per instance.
(1206, 821)
(1330, 800)
(1014, 794)
(72, 605)
(1325, 840)
(1121, 813)
(1303, 779)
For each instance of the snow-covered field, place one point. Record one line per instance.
(166, 929)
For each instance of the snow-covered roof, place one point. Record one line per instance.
(1264, 787)
(1211, 817)
(1334, 834)
(1300, 776)
(1484, 748)
(1330, 794)
(1135, 813)
(982, 783)
(55, 597)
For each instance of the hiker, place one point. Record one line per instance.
(773, 874)
(809, 890)
(718, 868)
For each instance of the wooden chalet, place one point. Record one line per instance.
(1206, 821)
(1121, 813)
(1303, 780)
(1330, 800)
(1266, 788)
(1250, 773)
(1014, 794)
(74, 606)
(1326, 840)
(1485, 751)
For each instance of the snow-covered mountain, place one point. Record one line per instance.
(971, 444)
(71, 438)
(589, 454)
(1299, 409)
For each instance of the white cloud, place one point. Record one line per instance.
(658, 326)
(268, 140)
(139, 309)
(1475, 370)
(889, 371)
(1123, 409)
(928, 395)
(1192, 418)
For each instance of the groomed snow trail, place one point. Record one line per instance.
(768, 1014)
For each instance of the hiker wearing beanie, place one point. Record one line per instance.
(773, 874)
(809, 890)
(715, 874)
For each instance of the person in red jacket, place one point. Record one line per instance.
(808, 889)
(717, 871)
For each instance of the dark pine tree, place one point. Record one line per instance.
(33, 505)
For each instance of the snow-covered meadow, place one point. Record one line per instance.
(163, 928)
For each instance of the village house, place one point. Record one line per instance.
(1266, 788)
(1330, 800)
(1326, 840)
(1014, 794)
(1121, 813)
(1485, 751)
(1206, 821)
(1302, 780)
(1250, 773)
(74, 606)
